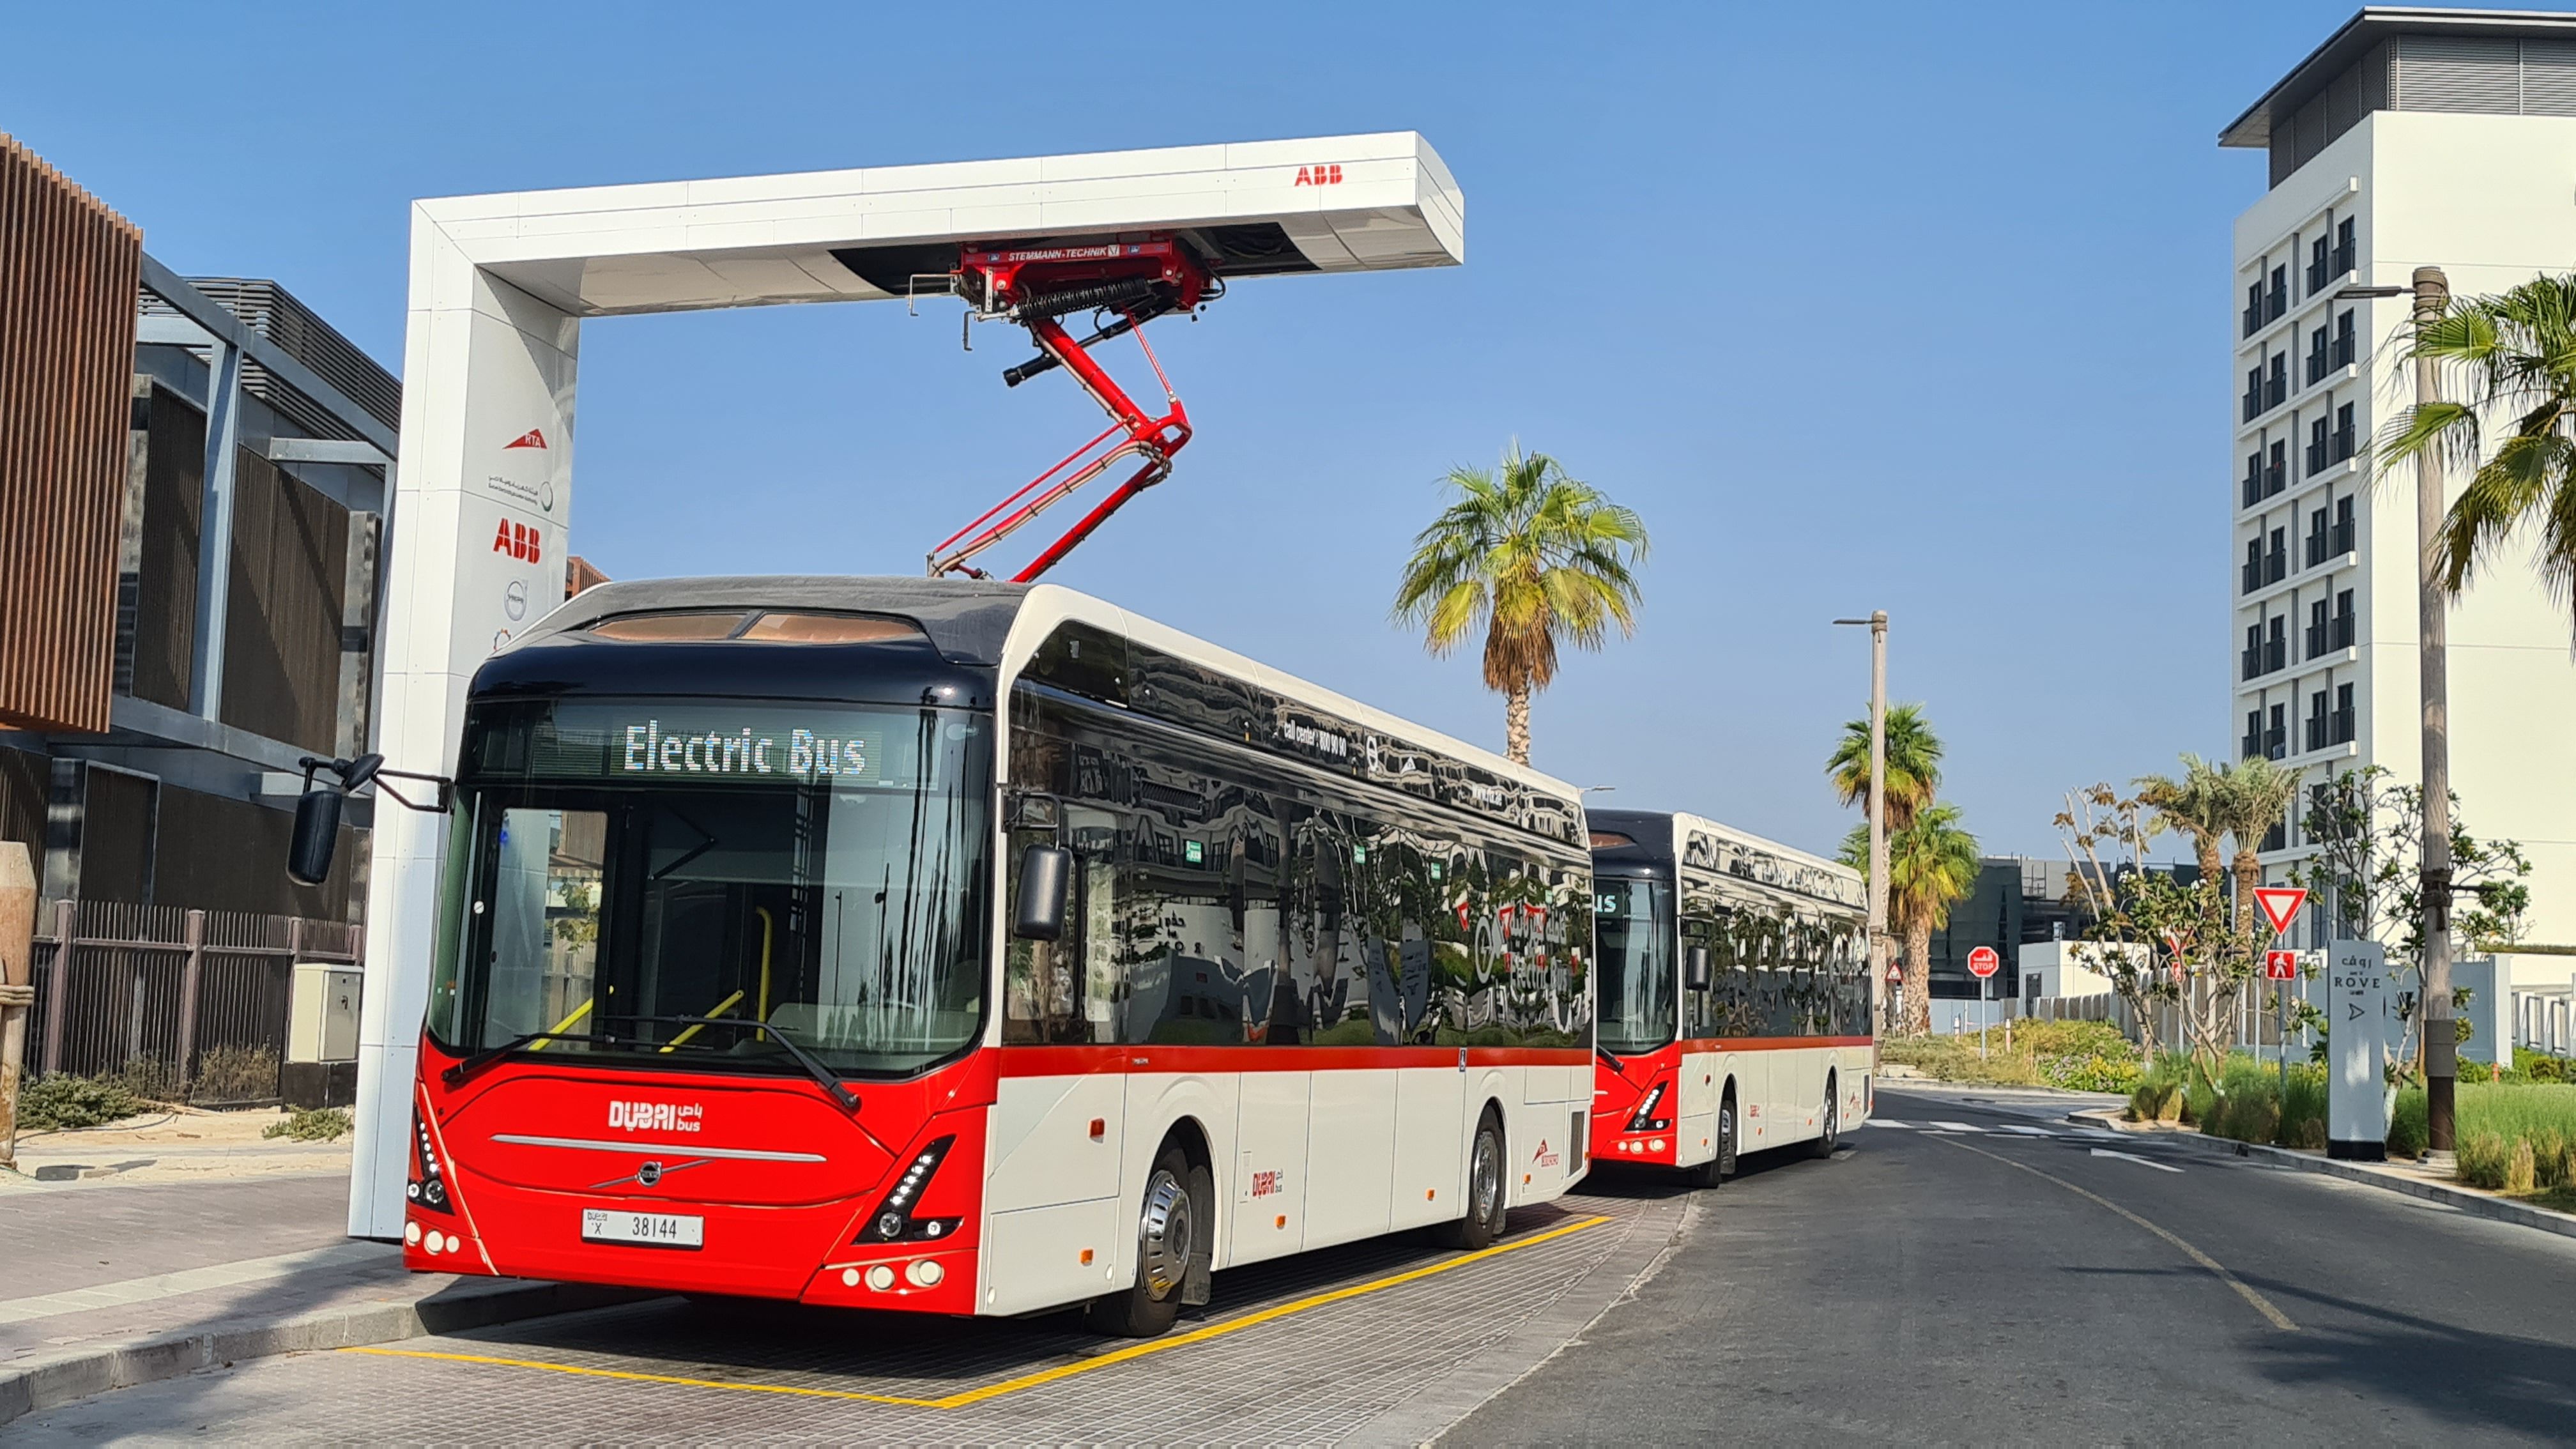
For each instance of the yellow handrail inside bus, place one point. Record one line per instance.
(578, 1012)
(721, 1008)
(762, 1014)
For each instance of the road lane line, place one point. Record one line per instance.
(1043, 1376)
(2029, 1131)
(1957, 1127)
(2133, 1157)
(2261, 1304)
(1885, 1122)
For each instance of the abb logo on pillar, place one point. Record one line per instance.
(1319, 175)
(521, 541)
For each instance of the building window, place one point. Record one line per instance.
(2276, 561)
(2340, 541)
(2253, 477)
(2317, 720)
(2342, 638)
(2347, 252)
(2253, 393)
(2253, 564)
(2276, 644)
(2276, 298)
(2318, 260)
(2318, 630)
(2276, 383)
(2251, 661)
(2346, 342)
(2254, 309)
(2316, 538)
(2343, 434)
(2276, 469)
(2276, 734)
(2253, 741)
(2339, 730)
(2319, 442)
(2317, 353)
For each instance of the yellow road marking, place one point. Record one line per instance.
(1043, 1376)
(2261, 1304)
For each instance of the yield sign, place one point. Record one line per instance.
(2280, 965)
(2280, 905)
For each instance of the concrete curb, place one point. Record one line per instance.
(2468, 1200)
(51, 1380)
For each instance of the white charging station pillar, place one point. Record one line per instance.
(481, 504)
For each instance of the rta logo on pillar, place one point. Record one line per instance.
(521, 541)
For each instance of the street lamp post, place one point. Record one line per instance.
(1877, 622)
(2432, 293)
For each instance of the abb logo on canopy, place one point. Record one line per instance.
(1319, 175)
(520, 541)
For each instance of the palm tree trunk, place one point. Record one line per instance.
(1918, 977)
(1516, 703)
(2249, 874)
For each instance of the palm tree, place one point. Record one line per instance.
(1913, 764)
(2191, 805)
(1932, 864)
(2252, 797)
(1535, 557)
(2512, 356)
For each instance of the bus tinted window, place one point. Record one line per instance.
(1633, 922)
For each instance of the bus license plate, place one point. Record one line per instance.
(652, 1230)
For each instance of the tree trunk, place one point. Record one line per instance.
(1516, 702)
(2249, 874)
(1918, 977)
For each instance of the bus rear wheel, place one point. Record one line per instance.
(1484, 1220)
(1721, 1163)
(1170, 1232)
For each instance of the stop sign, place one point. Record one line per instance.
(1983, 962)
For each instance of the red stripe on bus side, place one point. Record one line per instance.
(1062, 1061)
(1771, 1043)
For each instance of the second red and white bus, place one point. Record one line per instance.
(1734, 995)
(975, 949)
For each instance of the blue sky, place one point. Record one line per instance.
(1922, 308)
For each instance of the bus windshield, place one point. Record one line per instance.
(1633, 923)
(752, 869)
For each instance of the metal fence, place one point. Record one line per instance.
(181, 1005)
(2253, 1024)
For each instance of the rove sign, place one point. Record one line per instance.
(2357, 1036)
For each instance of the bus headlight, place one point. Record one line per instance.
(1644, 1118)
(893, 1220)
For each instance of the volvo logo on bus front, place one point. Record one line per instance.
(649, 1174)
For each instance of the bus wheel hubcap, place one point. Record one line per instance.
(1489, 1177)
(1166, 1238)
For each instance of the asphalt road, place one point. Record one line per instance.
(1934, 1286)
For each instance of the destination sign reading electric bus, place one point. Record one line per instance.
(673, 742)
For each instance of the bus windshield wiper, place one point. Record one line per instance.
(457, 1074)
(813, 1065)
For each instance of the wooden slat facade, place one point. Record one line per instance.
(69, 271)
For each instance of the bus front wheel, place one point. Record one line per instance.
(1721, 1163)
(1831, 1137)
(1170, 1225)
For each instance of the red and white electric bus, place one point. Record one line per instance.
(1734, 995)
(976, 948)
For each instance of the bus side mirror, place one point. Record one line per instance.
(1695, 968)
(1045, 872)
(316, 837)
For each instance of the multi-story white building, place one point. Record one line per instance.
(2412, 137)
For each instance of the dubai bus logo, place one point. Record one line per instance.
(656, 1116)
(1319, 175)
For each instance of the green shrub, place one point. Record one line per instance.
(314, 1124)
(2091, 1072)
(61, 1102)
(235, 1074)
(2407, 1135)
(148, 1078)
(2485, 1160)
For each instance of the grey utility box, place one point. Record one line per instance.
(321, 1068)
